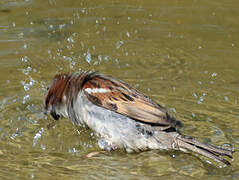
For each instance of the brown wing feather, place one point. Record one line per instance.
(123, 99)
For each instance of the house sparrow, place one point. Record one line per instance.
(120, 115)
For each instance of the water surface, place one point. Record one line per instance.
(183, 54)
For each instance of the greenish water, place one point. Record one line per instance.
(183, 54)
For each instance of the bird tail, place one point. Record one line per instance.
(209, 151)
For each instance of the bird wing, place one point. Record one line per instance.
(116, 95)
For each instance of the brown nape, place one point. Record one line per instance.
(67, 85)
(55, 93)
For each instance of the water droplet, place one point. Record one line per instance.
(214, 74)
(21, 34)
(127, 34)
(193, 115)
(119, 44)
(106, 58)
(195, 95)
(100, 57)
(27, 70)
(72, 64)
(13, 136)
(24, 59)
(26, 98)
(26, 88)
(88, 56)
(200, 100)
(67, 58)
(226, 98)
(32, 81)
(70, 40)
(32, 176)
(25, 46)
(37, 136)
(61, 26)
(43, 147)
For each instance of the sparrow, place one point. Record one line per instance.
(121, 116)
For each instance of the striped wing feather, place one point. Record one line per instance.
(121, 98)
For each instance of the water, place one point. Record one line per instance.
(183, 54)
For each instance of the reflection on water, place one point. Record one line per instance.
(183, 54)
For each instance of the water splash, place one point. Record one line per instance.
(26, 98)
(27, 85)
(214, 74)
(119, 44)
(37, 136)
(24, 59)
(88, 56)
(27, 70)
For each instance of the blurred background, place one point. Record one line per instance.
(183, 54)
